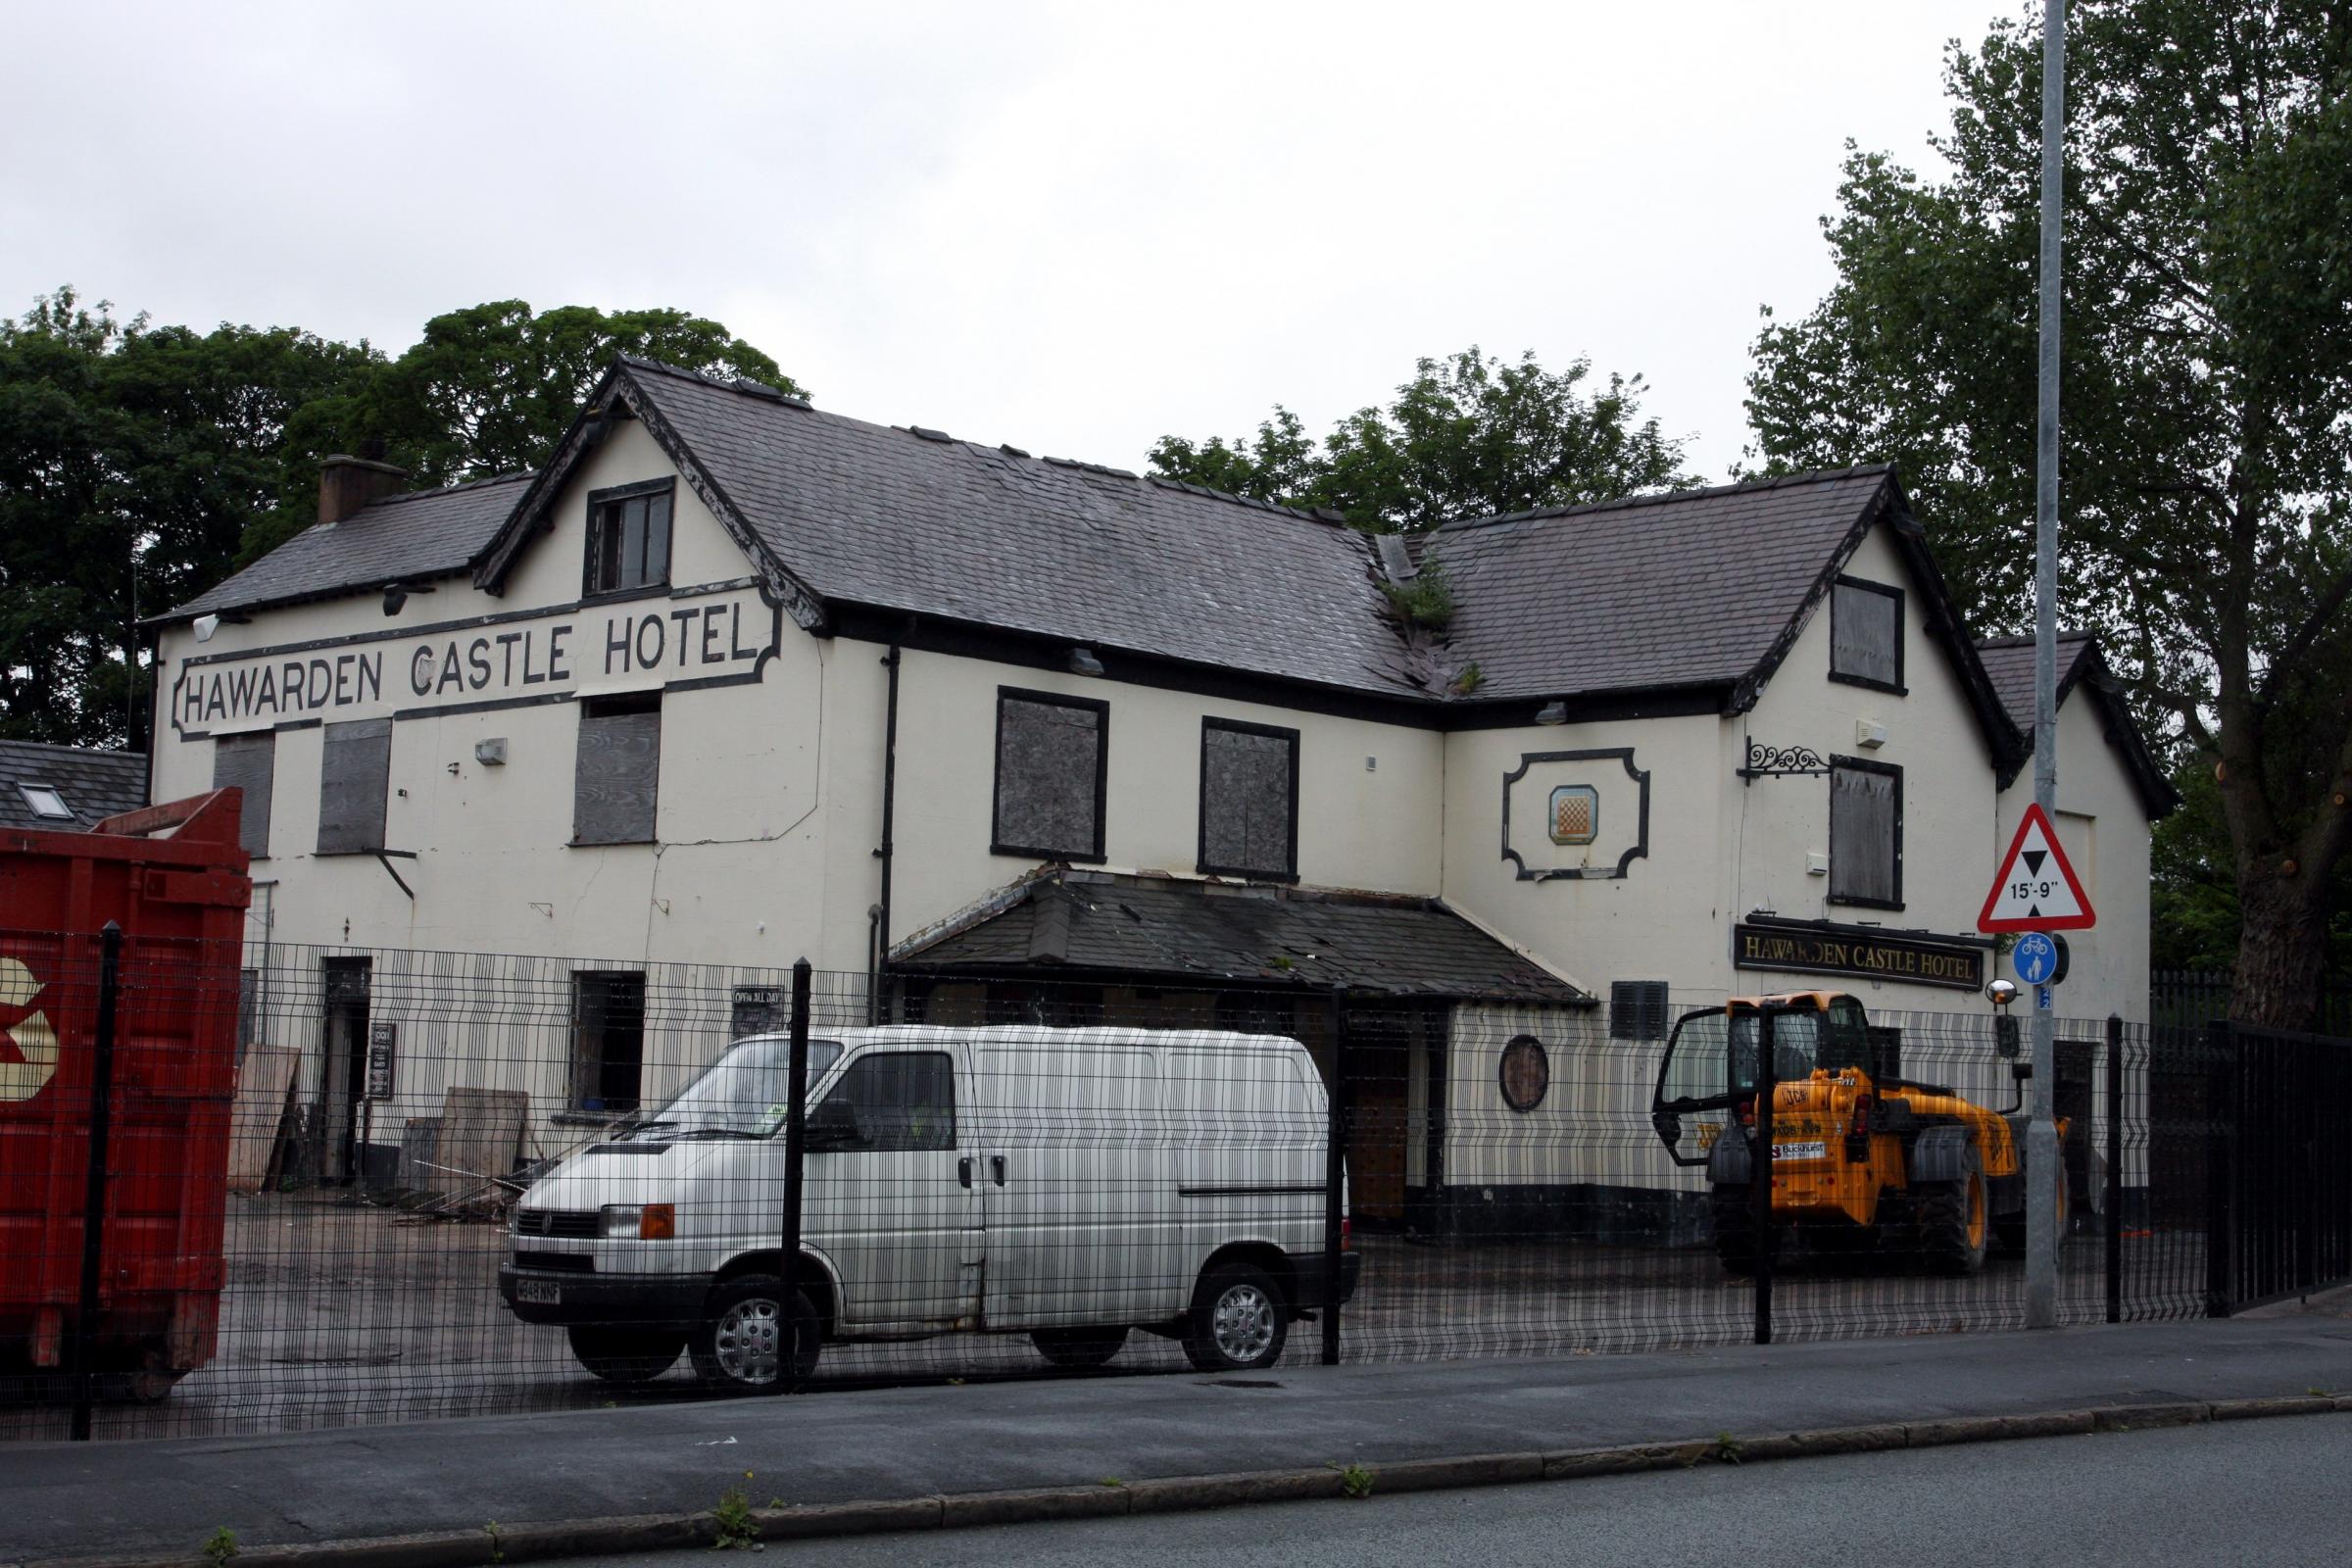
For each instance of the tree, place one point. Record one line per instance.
(1469, 436)
(132, 461)
(2207, 458)
(489, 390)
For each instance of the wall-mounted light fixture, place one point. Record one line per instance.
(1553, 712)
(205, 626)
(491, 753)
(1084, 662)
(397, 593)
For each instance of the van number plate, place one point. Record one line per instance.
(1816, 1149)
(539, 1293)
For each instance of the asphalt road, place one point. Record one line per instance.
(2245, 1492)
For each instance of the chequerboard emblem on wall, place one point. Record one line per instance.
(1575, 814)
(1581, 814)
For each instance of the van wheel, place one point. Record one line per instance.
(624, 1356)
(1239, 1320)
(1953, 1225)
(746, 1334)
(1079, 1350)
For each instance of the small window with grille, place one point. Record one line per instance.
(1637, 1010)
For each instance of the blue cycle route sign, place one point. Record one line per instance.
(2034, 958)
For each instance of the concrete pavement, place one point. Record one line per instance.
(165, 1499)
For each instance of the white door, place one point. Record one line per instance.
(1079, 1193)
(896, 1208)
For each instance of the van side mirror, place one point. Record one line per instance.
(832, 1124)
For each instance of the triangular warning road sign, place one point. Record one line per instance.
(2036, 888)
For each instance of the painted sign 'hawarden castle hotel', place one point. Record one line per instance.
(735, 680)
(717, 634)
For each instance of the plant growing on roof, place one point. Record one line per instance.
(1425, 600)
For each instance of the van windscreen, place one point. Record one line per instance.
(745, 1094)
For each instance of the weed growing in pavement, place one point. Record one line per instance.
(1113, 1482)
(221, 1546)
(1355, 1480)
(1726, 1448)
(498, 1547)
(736, 1526)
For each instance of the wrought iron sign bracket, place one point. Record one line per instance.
(1782, 761)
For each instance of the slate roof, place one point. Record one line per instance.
(427, 533)
(1092, 925)
(1692, 589)
(1699, 592)
(2009, 660)
(913, 520)
(2009, 663)
(93, 784)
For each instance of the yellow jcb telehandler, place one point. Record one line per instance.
(1863, 1159)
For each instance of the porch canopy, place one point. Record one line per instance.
(1090, 926)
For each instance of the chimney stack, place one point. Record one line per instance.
(347, 483)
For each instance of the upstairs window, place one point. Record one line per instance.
(1052, 759)
(1866, 634)
(1866, 833)
(246, 763)
(355, 773)
(628, 537)
(1249, 800)
(615, 778)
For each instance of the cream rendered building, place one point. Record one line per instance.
(736, 682)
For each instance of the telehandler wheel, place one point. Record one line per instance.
(1736, 1229)
(1954, 1221)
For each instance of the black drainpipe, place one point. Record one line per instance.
(890, 789)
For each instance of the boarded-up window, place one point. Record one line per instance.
(1637, 1010)
(1051, 752)
(608, 1040)
(620, 767)
(628, 537)
(246, 763)
(1249, 799)
(1866, 634)
(1866, 834)
(353, 776)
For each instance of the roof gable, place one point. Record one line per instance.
(1700, 589)
(2009, 663)
(913, 522)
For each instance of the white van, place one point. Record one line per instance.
(1068, 1184)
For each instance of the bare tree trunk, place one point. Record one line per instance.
(2281, 950)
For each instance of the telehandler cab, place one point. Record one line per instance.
(1863, 1160)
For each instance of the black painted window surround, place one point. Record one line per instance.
(1249, 800)
(1052, 775)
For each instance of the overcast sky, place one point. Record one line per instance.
(1070, 227)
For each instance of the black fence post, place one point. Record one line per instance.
(93, 1187)
(2114, 1168)
(1334, 1178)
(1760, 1194)
(795, 1152)
(2222, 1105)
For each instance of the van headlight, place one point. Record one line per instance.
(637, 1222)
